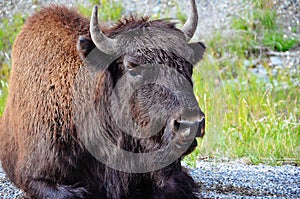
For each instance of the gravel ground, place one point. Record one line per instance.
(225, 180)
(7, 189)
(236, 180)
(214, 15)
(217, 180)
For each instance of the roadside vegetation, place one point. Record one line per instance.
(110, 10)
(249, 116)
(254, 116)
(9, 28)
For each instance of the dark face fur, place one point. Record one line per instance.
(156, 93)
(152, 104)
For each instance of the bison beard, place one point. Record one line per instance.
(61, 89)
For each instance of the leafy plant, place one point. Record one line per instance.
(9, 28)
(263, 4)
(266, 18)
(8, 32)
(278, 41)
(259, 26)
(111, 10)
(3, 94)
(247, 116)
(180, 15)
(86, 11)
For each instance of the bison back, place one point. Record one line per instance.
(37, 135)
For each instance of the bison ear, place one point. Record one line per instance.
(198, 49)
(84, 46)
(91, 55)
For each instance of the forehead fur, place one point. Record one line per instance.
(141, 33)
(133, 22)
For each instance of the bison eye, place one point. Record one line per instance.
(130, 62)
(131, 68)
(130, 65)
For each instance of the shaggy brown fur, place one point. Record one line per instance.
(41, 151)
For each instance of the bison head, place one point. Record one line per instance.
(144, 112)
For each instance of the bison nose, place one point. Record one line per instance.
(191, 123)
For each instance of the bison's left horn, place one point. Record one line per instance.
(190, 25)
(103, 43)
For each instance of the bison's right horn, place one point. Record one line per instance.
(103, 43)
(190, 25)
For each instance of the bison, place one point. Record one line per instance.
(98, 112)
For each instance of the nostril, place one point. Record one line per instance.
(196, 128)
(191, 123)
(185, 128)
(176, 125)
(180, 125)
(183, 125)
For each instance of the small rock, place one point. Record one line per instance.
(274, 61)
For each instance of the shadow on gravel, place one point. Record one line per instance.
(221, 189)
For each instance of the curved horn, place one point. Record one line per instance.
(190, 25)
(103, 43)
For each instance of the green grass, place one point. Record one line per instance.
(9, 28)
(250, 117)
(3, 95)
(266, 18)
(180, 15)
(108, 10)
(278, 42)
(261, 28)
